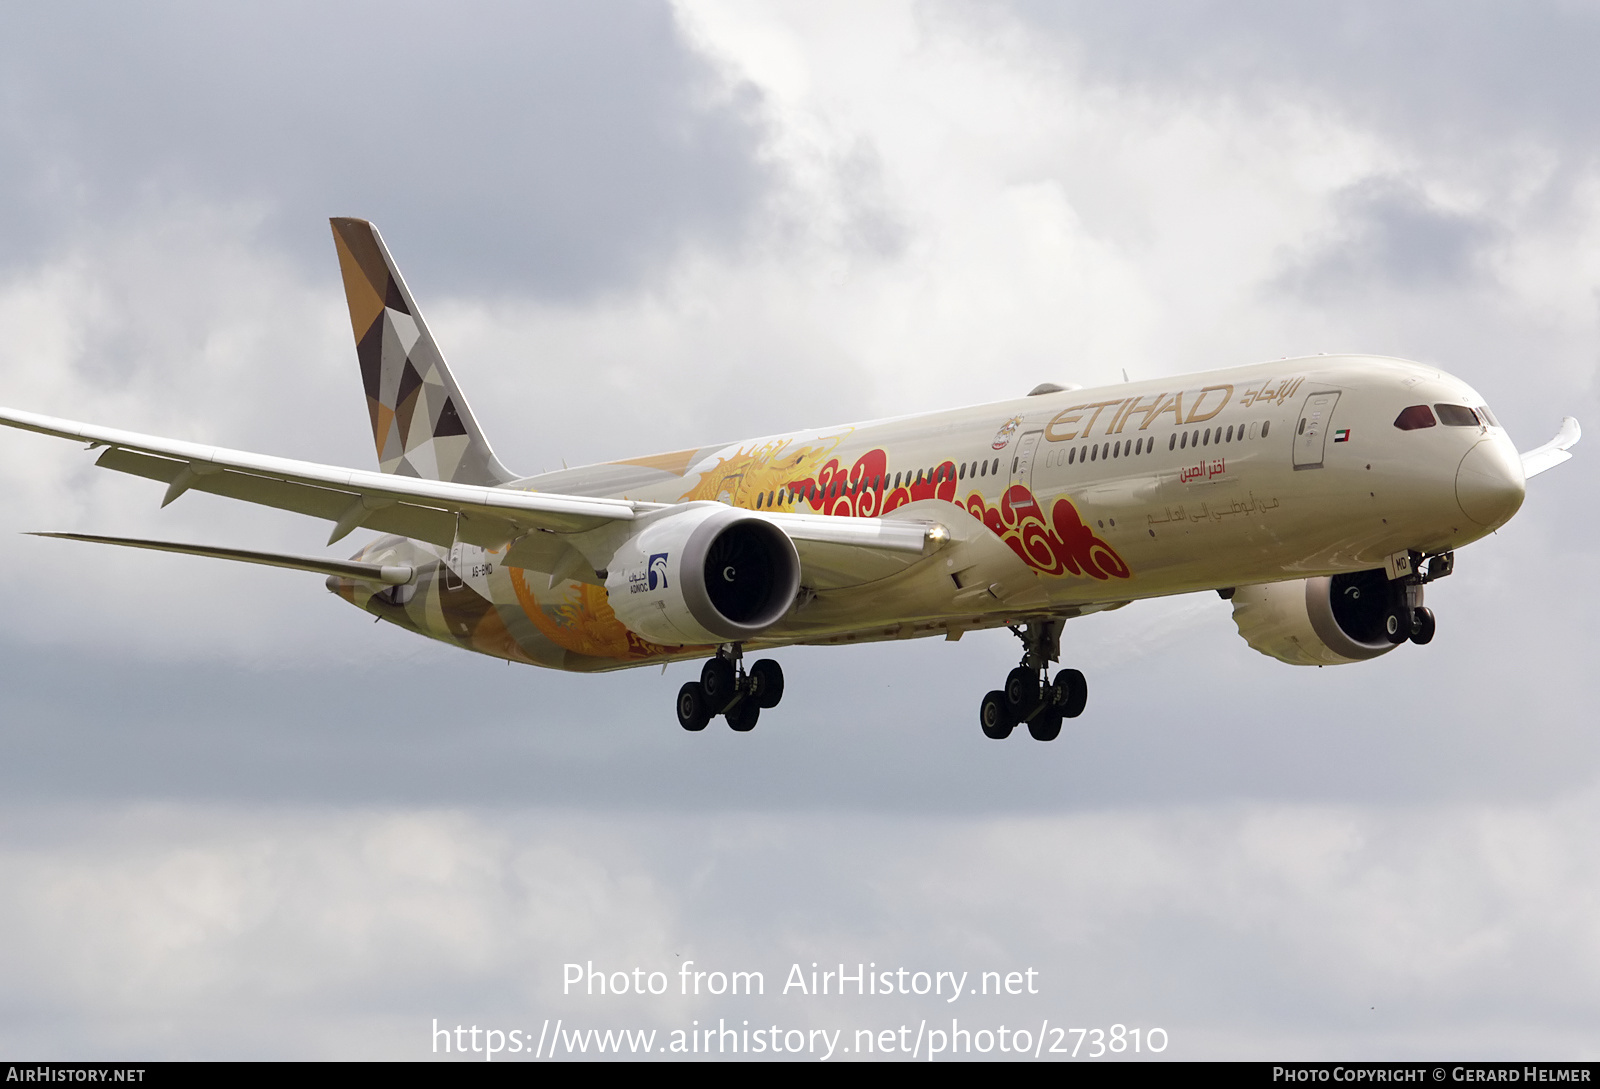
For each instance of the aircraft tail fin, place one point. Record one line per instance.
(421, 424)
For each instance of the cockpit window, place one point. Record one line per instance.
(1483, 410)
(1456, 415)
(1414, 417)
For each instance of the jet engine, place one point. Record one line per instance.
(704, 574)
(1330, 620)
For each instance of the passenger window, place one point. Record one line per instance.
(1230, 434)
(1264, 425)
(1171, 442)
(1183, 441)
(1456, 415)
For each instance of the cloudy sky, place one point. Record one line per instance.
(239, 820)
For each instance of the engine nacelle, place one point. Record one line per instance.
(1330, 620)
(706, 574)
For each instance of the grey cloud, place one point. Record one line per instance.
(1442, 72)
(1390, 236)
(1180, 713)
(563, 147)
(1251, 931)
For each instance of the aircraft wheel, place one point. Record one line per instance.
(717, 679)
(1022, 691)
(743, 715)
(995, 718)
(1397, 625)
(766, 683)
(693, 714)
(1424, 626)
(1070, 693)
(1046, 726)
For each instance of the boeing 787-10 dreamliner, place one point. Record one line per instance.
(1319, 494)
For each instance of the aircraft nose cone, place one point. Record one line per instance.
(1489, 483)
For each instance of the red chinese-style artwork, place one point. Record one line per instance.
(1061, 546)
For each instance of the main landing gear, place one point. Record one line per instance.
(1029, 696)
(724, 688)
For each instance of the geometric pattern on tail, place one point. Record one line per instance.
(421, 425)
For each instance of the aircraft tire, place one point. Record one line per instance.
(742, 717)
(1397, 625)
(1046, 725)
(693, 714)
(1424, 627)
(995, 717)
(1022, 691)
(766, 683)
(718, 682)
(1070, 693)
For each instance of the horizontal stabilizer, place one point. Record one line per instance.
(1554, 452)
(365, 572)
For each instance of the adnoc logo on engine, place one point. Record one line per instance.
(653, 577)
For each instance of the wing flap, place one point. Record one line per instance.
(408, 520)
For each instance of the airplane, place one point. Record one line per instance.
(1319, 494)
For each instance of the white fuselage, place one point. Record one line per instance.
(1057, 503)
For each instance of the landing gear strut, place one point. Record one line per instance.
(1407, 618)
(1030, 698)
(724, 688)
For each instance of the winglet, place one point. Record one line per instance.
(1555, 451)
(421, 424)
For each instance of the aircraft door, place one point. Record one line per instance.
(1022, 460)
(1311, 433)
(471, 565)
(452, 568)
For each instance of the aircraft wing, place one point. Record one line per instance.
(442, 512)
(1554, 452)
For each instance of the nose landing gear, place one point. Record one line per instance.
(1407, 618)
(724, 688)
(1030, 698)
